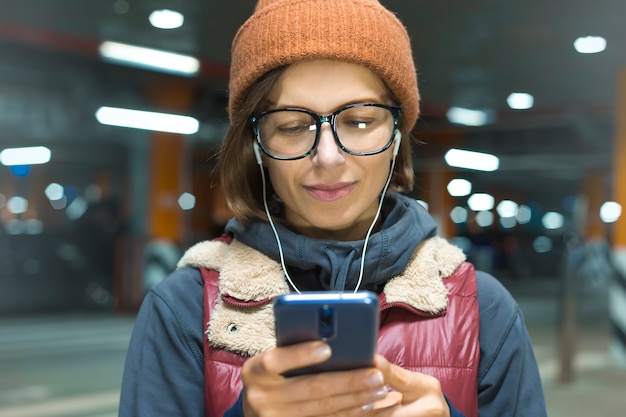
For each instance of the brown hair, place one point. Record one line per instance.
(238, 169)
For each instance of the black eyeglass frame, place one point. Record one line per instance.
(319, 120)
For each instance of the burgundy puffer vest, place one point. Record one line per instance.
(444, 345)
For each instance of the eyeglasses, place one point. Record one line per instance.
(359, 129)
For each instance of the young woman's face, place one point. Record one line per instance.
(329, 194)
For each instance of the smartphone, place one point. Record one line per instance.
(348, 322)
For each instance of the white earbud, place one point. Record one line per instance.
(257, 153)
(396, 146)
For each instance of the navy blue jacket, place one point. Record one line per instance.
(164, 372)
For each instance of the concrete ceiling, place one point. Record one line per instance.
(468, 53)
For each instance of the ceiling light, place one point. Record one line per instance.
(459, 187)
(484, 218)
(160, 122)
(520, 101)
(166, 19)
(33, 226)
(610, 212)
(15, 227)
(59, 204)
(480, 202)
(17, 205)
(524, 214)
(76, 209)
(552, 220)
(472, 160)
(542, 244)
(187, 201)
(508, 222)
(458, 214)
(148, 58)
(54, 191)
(25, 156)
(590, 44)
(507, 208)
(469, 117)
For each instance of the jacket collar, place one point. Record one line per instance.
(248, 275)
(327, 265)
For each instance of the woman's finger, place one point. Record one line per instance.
(421, 394)
(327, 393)
(277, 361)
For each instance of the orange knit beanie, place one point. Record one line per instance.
(282, 32)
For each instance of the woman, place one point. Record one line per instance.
(323, 96)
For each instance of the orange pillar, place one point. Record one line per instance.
(595, 192)
(619, 163)
(165, 218)
(617, 294)
(168, 167)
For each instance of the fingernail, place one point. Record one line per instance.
(323, 351)
(368, 407)
(375, 380)
(381, 393)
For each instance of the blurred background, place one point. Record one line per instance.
(111, 112)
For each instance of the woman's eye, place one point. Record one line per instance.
(358, 123)
(293, 129)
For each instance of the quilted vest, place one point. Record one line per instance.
(429, 318)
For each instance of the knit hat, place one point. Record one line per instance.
(282, 32)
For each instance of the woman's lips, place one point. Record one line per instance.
(330, 192)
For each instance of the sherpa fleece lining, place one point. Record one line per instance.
(248, 275)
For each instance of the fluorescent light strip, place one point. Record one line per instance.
(469, 117)
(25, 156)
(138, 119)
(590, 44)
(148, 58)
(472, 160)
(166, 19)
(520, 101)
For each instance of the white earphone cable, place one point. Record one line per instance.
(280, 247)
(367, 237)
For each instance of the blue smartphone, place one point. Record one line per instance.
(348, 322)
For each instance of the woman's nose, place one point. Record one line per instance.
(328, 153)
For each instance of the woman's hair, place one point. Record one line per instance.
(239, 171)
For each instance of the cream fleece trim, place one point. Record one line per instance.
(248, 275)
(420, 285)
(245, 274)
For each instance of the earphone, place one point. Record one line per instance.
(257, 153)
(396, 146)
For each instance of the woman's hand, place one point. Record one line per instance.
(415, 394)
(267, 393)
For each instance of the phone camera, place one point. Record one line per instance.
(326, 323)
